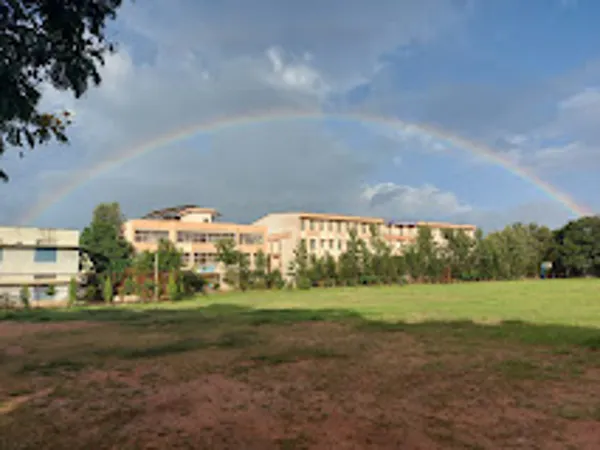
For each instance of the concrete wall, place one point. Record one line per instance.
(18, 266)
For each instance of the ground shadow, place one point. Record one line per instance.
(216, 315)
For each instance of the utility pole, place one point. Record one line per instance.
(156, 276)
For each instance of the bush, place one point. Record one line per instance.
(303, 283)
(51, 291)
(192, 283)
(172, 288)
(25, 296)
(72, 291)
(129, 286)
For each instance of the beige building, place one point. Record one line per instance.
(38, 258)
(195, 231)
(329, 233)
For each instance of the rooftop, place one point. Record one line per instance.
(177, 212)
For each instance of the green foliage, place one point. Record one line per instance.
(169, 259)
(57, 43)
(173, 287)
(72, 291)
(575, 248)
(107, 290)
(514, 252)
(102, 239)
(129, 286)
(25, 296)
(191, 283)
(51, 290)
(237, 264)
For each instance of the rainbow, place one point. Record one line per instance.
(229, 122)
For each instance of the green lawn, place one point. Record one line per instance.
(486, 365)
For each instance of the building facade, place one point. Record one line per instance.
(330, 233)
(195, 232)
(38, 258)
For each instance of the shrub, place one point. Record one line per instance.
(25, 296)
(172, 288)
(129, 286)
(51, 291)
(192, 283)
(303, 283)
(72, 291)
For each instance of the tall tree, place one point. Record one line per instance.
(169, 259)
(103, 242)
(60, 43)
(299, 266)
(576, 249)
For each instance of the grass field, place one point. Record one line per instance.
(477, 366)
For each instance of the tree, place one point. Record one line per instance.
(60, 43)
(237, 264)
(576, 248)
(259, 275)
(169, 258)
(107, 291)
(102, 240)
(299, 267)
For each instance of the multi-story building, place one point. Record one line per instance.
(38, 258)
(329, 233)
(195, 232)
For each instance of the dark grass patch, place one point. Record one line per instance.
(169, 348)
(297, 354)
(52, 367)
(237, 339)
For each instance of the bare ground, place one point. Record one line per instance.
(310, 385)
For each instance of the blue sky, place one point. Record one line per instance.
(522, 78)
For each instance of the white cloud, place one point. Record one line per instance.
(398, 201)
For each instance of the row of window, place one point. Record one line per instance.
(196, 236)
(150, 235)
(332, 244)
(363, 227)
(202, 258)
(333, 225)
(41, 255)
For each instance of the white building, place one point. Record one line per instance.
(38, 258)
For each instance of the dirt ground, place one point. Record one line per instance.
(304, 385)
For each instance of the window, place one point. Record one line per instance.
(331, 244)
(364, 227)
(323, 243)
(251, 238)
(322, 225)
(303, 224)
(313, 244)
(330, 226)
(311, 224)
(44, 255)
(339, 226)
(150, 235)
(1, 254)
(339, 244)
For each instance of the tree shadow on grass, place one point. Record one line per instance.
(219, 315)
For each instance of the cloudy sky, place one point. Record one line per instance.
(328, 106)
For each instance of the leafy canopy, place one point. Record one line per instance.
(47, 42)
